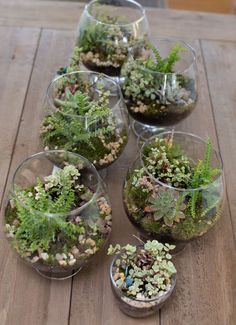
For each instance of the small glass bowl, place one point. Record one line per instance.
(137, 307)
(66, 253)
(106, 32)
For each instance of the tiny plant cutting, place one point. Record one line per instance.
(155, 94)
(143, 276)
(171, 196)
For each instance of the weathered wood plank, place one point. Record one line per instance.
(16, 61)
(206, 288)
(164, 23)
(25, 297)
(220, 67)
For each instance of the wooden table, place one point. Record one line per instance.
(36, 38)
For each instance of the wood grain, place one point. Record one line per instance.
(222, 6)
(16, 61)
(25, 297)
(220, 68)
(165, 23)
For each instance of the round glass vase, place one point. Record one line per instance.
(86, 114)
(139, 308)
(156, 100)
(56, 245)
(178, 215)
(106, 32)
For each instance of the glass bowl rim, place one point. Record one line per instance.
(189, 135)
(174, 40)
(148, 300)
(82, 72)
(137, 21)
(47, 214)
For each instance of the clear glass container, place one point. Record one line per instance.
(106, 32)
(57, 244)
(80, 119)
(157, 99)
(175, 215)
(139, 307)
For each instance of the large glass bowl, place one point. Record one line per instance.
(86, 114)
(57, 244)
(106, 32)
(171, 214)
(157, 99)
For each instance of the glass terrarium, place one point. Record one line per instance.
(86, 114)
(57, 215)
(107, 30)
(142, 278)
(174, 191)
(159, 84)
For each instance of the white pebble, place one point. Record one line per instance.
(35, 259)
(72, 262)
(59, 257)
(62, 263)
(44, 256)
(75, 250)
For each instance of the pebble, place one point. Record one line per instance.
(89, 251)
(108, 218)
(75, 250)
(62, 263)
(64, 256)
(59, 257)
(35, 259)
(78, 219)
(90, 242)
(44, 256)
(72, 262)
(71, 256)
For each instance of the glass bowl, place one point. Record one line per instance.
(58, 214)
(139, 307)
(156, 99)
(177, 213)
(86, 114)
(107, 30)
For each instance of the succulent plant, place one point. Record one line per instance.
(164, 206)
(143, 272)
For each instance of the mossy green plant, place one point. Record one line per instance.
(155, 94)
(171, 196)
(42, 228)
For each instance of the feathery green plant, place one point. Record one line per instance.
(164, 65)
(203, 175)
(59, 193)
